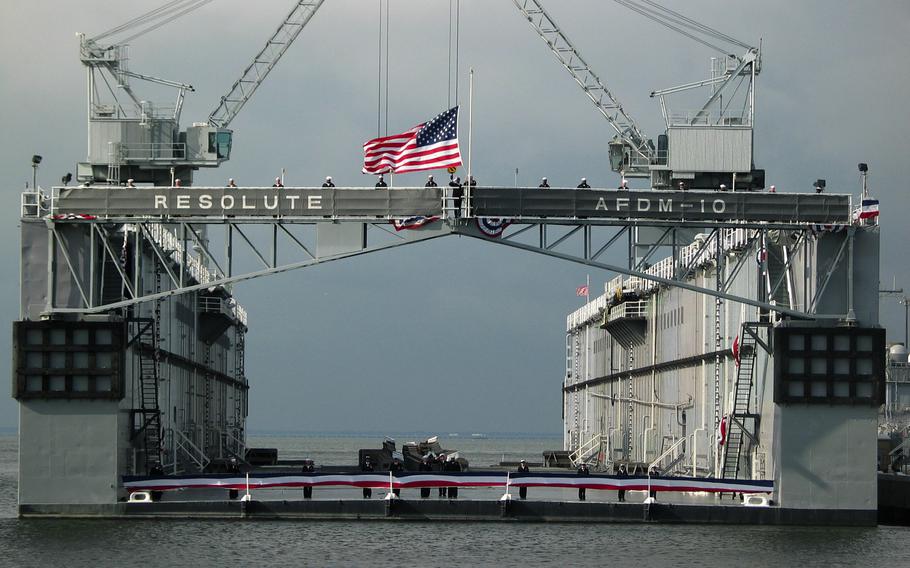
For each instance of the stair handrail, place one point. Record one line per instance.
(582, 450)
(669, 450)
(181, 441)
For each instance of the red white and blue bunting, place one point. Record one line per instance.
(492, 227)
(411, 480)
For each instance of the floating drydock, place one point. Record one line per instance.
(750, 330)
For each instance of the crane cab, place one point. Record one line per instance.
(207, 146)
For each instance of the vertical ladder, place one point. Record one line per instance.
(742, 394)
(208, 438)
(149, 367)
(114, 158)
(240, 378)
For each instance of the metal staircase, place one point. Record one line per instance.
(738, 435)
(240, 377)
(779, 282)
(147, 344)
(584, 452)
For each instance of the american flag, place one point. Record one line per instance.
(428, 146)
(582, 291)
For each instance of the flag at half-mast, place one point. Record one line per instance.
(428, 146)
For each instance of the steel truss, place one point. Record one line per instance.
(190, 262)
(593, 241)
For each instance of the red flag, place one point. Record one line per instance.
(582, 291)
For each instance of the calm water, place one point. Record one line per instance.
(76, 543)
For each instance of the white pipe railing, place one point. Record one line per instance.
(690, 256)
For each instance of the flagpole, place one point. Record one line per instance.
(470, 136)
(588, 288)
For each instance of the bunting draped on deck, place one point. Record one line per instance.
(411, 480)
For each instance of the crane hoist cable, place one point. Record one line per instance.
(680, 24)
(696, 25)
(652, 15)
(154, 19)
(454, 49)
(382, 83)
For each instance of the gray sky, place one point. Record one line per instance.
(455, 335)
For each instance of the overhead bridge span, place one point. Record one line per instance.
(310, 226)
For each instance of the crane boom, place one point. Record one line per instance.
(605, 102)
(262, 64)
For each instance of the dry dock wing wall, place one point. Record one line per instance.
(646, 378)
(79, 379)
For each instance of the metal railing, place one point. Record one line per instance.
(630, 309)
(589, 313)
(150, 152)
(670, 451)
(171, 246)
(181, 445)
(737, 118)
(33, 203)
(700, 253)
(586, 450)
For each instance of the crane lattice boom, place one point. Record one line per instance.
(263, 63)
(593, 87)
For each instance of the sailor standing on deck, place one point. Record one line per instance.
(543, 184)
(441, 461)
(582, 472)
(308, 468)
(430, 181)
(584, 184)
(652, 473)
(621, 474)
(278, 182)
(396, 467)
(328, 182)
(381, 184)
(453, 465)
(231, 183)
(457, 193)
(523, 490)
(425, 466)
(367, 466)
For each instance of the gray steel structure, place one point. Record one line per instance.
(636, 362)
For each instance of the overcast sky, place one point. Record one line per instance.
(455, 335)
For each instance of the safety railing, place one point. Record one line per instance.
(629, 309)
(33, 203)
(181, 445)
(700, 253)
(151, 151)
(715, 118)
(586, 450)
(590, 312)
(171, 246)
(671, 451)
